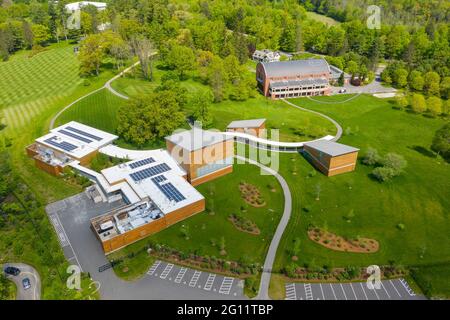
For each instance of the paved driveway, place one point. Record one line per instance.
(26, 271)
(397, 289)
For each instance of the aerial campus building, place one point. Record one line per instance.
(254, 127)
(331, 158)
(296, 78)
(156, 188)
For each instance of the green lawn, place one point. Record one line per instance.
(322, 18)
(30, 85)
(223, 198)
(419, 198)
(98, 110)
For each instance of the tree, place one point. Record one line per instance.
(395, 162)
(143, 48)
(151, 117)
(445, 88)
(416, 80)
(217, 78)
(432, 80)
(181, 59)
(201, 103)
(91, 54)
(28, 34)
(441, 142)
(400, 77)
(418, 103)
(371, 157)
(41, 34)
(341, 80)
(401, 100)
(434, 105)
(352, 68)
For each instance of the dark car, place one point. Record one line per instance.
(13, 271)
(26, 283)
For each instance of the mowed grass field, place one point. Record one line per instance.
(30, 85)
(419, 198)
(223, 198)
(98, 110)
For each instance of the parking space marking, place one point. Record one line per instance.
(321, 290)
(194, 278)
(375, 290)
(155, 266)
(354, 293)
(334, 294)
(362, 288)
(382, 285)
(342, 288)
(209, 282)
(406, 286)
(291, 293)
(227, 283)
(308, 291)
(166, 271)
(180, 275)
(392, 284)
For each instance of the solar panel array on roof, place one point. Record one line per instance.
(149, 172)
(141, 163)
(159, 179)
(83, 133)
(73, 135)
(62, 145)
(168, 189)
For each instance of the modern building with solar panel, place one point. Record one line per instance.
(70, 142)
(158, 195)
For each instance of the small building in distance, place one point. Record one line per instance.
(295, 78)
(331, 158)
(68, 143)
(203, 154)
(74, 6)
(336, 74)
(254, 127)
(266, 55)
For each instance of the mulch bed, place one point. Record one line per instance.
(237, 223)
(338, 243)
(251, 195)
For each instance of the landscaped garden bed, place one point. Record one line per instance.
(338, 243)
(312, 274)
(251, 195)
(243, 224)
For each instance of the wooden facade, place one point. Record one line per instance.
(257, 131)
(191, 161)
(331, 165)
(121, 240)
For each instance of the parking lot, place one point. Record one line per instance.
(397, 289)
(199, 280)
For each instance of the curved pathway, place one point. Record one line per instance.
(263, 293)
(107, 86)
(336, 124)
(26, 271)
(337, 102)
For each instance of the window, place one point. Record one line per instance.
(212, 167)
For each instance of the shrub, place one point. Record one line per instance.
(371, 157)
(441, 142)
(383, 173)
(394, 161)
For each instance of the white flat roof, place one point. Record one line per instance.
(146, 188)
(331, 148)
(251, 123)
(78, 5)
(197, 138)
(76, 140)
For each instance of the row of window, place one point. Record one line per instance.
(297, 88)
(298, 94)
